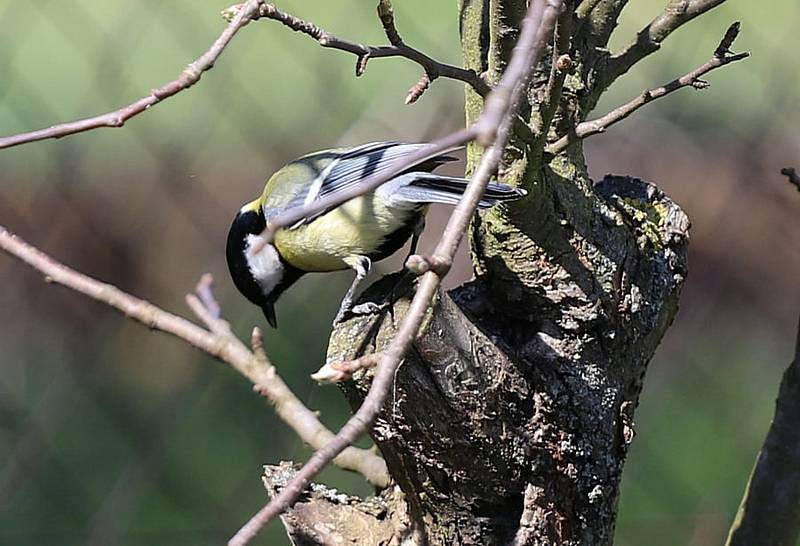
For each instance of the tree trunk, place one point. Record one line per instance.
(518, 395)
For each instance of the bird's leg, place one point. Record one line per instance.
(362, 265)
(419, 226)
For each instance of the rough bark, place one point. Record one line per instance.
(526, 378)
(326, 517)
(504, 392)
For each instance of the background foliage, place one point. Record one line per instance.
(112, 435)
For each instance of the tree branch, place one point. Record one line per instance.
(770, 509)
(560, 66)
(239, 16)
(537, 29)
(386, 15)
(601, 16)
(327, 517)
(791, 174)
(648, 40)
(693, 79)
(218, 342)
(585, 8)
(190, 76)
(433, 68)
(205, 291)
(343, 370)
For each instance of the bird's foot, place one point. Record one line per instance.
(366, 308)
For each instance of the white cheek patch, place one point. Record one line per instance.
(265, 266)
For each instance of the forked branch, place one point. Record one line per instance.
(218, 341)
(397, 48)
(649, 39)
(238, 17)
(721, 57)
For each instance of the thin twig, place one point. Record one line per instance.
(770, 508)
(219, 343)
(418, 89)
(693, 79)
(432, 67)
(648, 40)
(205, 291)
(537, 29)
(791, 174)
(386, 15)
(560, 66)
(343, 370)
(190, 76)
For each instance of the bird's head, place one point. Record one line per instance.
(257, 269)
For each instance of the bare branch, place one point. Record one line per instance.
(770, 509)
(239, 16)
(205, 291)
(419, 265)
(327, 517)
(693, 79)
(418, 89)
(219, 343)
(585, 8)
(386, 15)
(648, 40)
(537, 29)
(791, 174)
(599, 17)
(560, 67)
(432, 67)
(190, 76)
(200, 311)
(336, 372)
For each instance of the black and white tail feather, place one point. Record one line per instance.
(422, 187)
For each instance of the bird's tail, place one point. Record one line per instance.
(435, 188)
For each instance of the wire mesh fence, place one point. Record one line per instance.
(110, 434)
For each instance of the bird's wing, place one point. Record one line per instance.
(359, 163)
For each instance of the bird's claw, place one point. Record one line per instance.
(368, 308)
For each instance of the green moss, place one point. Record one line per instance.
(648, 217)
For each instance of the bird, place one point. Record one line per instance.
(352, 235)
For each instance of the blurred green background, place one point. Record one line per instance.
(110, 434)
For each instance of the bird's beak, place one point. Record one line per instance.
(269, 313)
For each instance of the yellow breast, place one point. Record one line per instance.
(332, 241)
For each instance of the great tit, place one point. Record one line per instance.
(349, 236)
